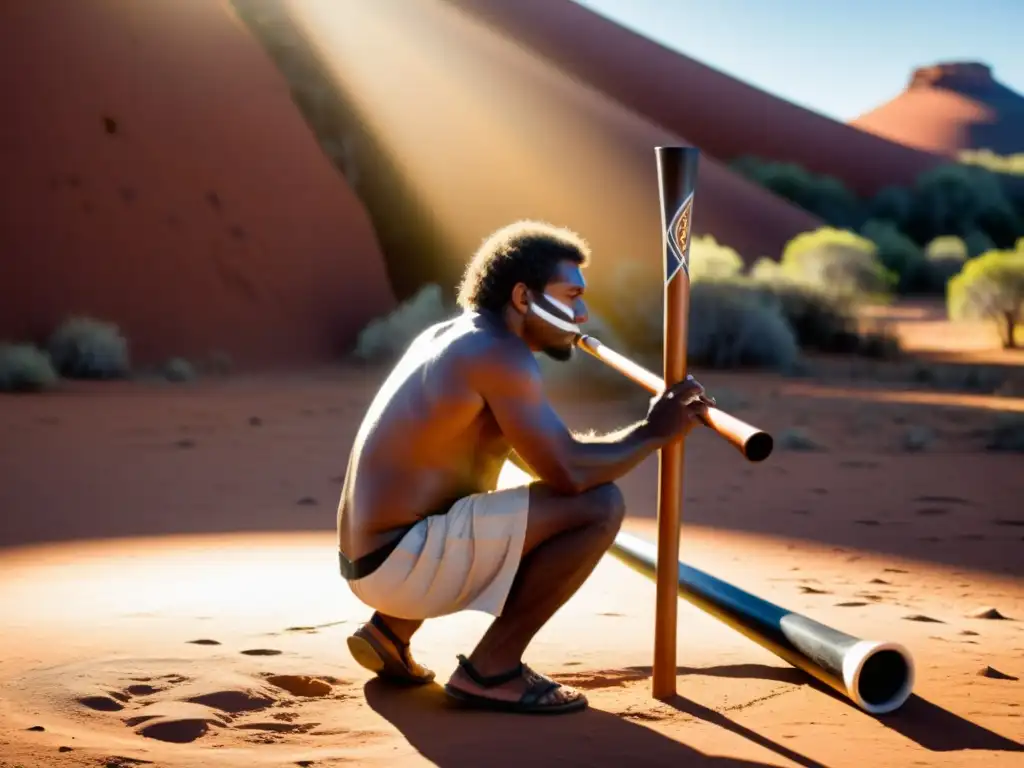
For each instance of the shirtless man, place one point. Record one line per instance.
(422, 530)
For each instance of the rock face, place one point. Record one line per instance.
(726, 118)
(156, 174)
(949, 107)
(485, 133)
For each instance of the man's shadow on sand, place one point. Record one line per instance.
(452, 737)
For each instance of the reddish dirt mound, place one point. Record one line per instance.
(487, 133)
(157, 175)
(723, 116)
(950, 107)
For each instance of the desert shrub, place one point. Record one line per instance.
(731, 326)
(991, 287)
(731, 323)
(820, 321)
(945, 257)
(178, 369)
(957, 200)
(389, 336)
(879, 343)
(838, 261)
(824, 196)
(86, 348)
(25, 368)
(898, 254)
(977, 243)
(986, 158)
(891, 204)
(765, 270)
(710, 260)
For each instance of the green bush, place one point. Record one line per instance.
(838, 261)
(957, 200)
(732, 326)
(25, 368)
(945, 257)
(821, 322)
(824, 196)
(898, 254)
(86, 348)
(891, 204)
(387, 337)
(977, 243)
(178, 369)
(986, 158)
(991, 287)
(710, 260)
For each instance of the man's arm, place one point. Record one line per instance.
(511, 386)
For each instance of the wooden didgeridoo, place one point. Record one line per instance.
(755, 444)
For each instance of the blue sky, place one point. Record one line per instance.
(838, 57)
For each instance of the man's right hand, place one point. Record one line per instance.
(674, 412)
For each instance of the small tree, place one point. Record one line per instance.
(991, 287)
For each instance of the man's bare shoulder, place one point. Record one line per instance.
(485, 354)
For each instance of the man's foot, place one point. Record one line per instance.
(518, 690)
(377, 648)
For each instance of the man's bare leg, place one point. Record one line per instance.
(566, 538)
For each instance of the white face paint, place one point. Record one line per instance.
(556, 313)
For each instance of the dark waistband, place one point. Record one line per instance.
(368, 563)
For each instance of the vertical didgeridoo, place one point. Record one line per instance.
(677, 183)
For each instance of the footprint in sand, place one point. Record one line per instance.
(204, 641)
(261, 652)
(852, 604)
(923, 618)
(179, 709)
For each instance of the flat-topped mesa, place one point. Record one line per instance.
(953, 76)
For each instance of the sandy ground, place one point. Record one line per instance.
(170, 595)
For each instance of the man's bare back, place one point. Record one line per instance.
(428, 437)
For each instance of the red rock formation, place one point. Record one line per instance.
(486, 133)
(721, 115)
(950, 107)
(156, 174)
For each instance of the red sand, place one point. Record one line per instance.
(228, 650)
(950, 107)
(723, 116)
(210, 220)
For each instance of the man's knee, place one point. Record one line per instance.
(607, 506)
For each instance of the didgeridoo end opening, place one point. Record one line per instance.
(758, 446)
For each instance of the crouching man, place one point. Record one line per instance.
(422, 530)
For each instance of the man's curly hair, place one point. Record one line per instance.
(523, 252)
